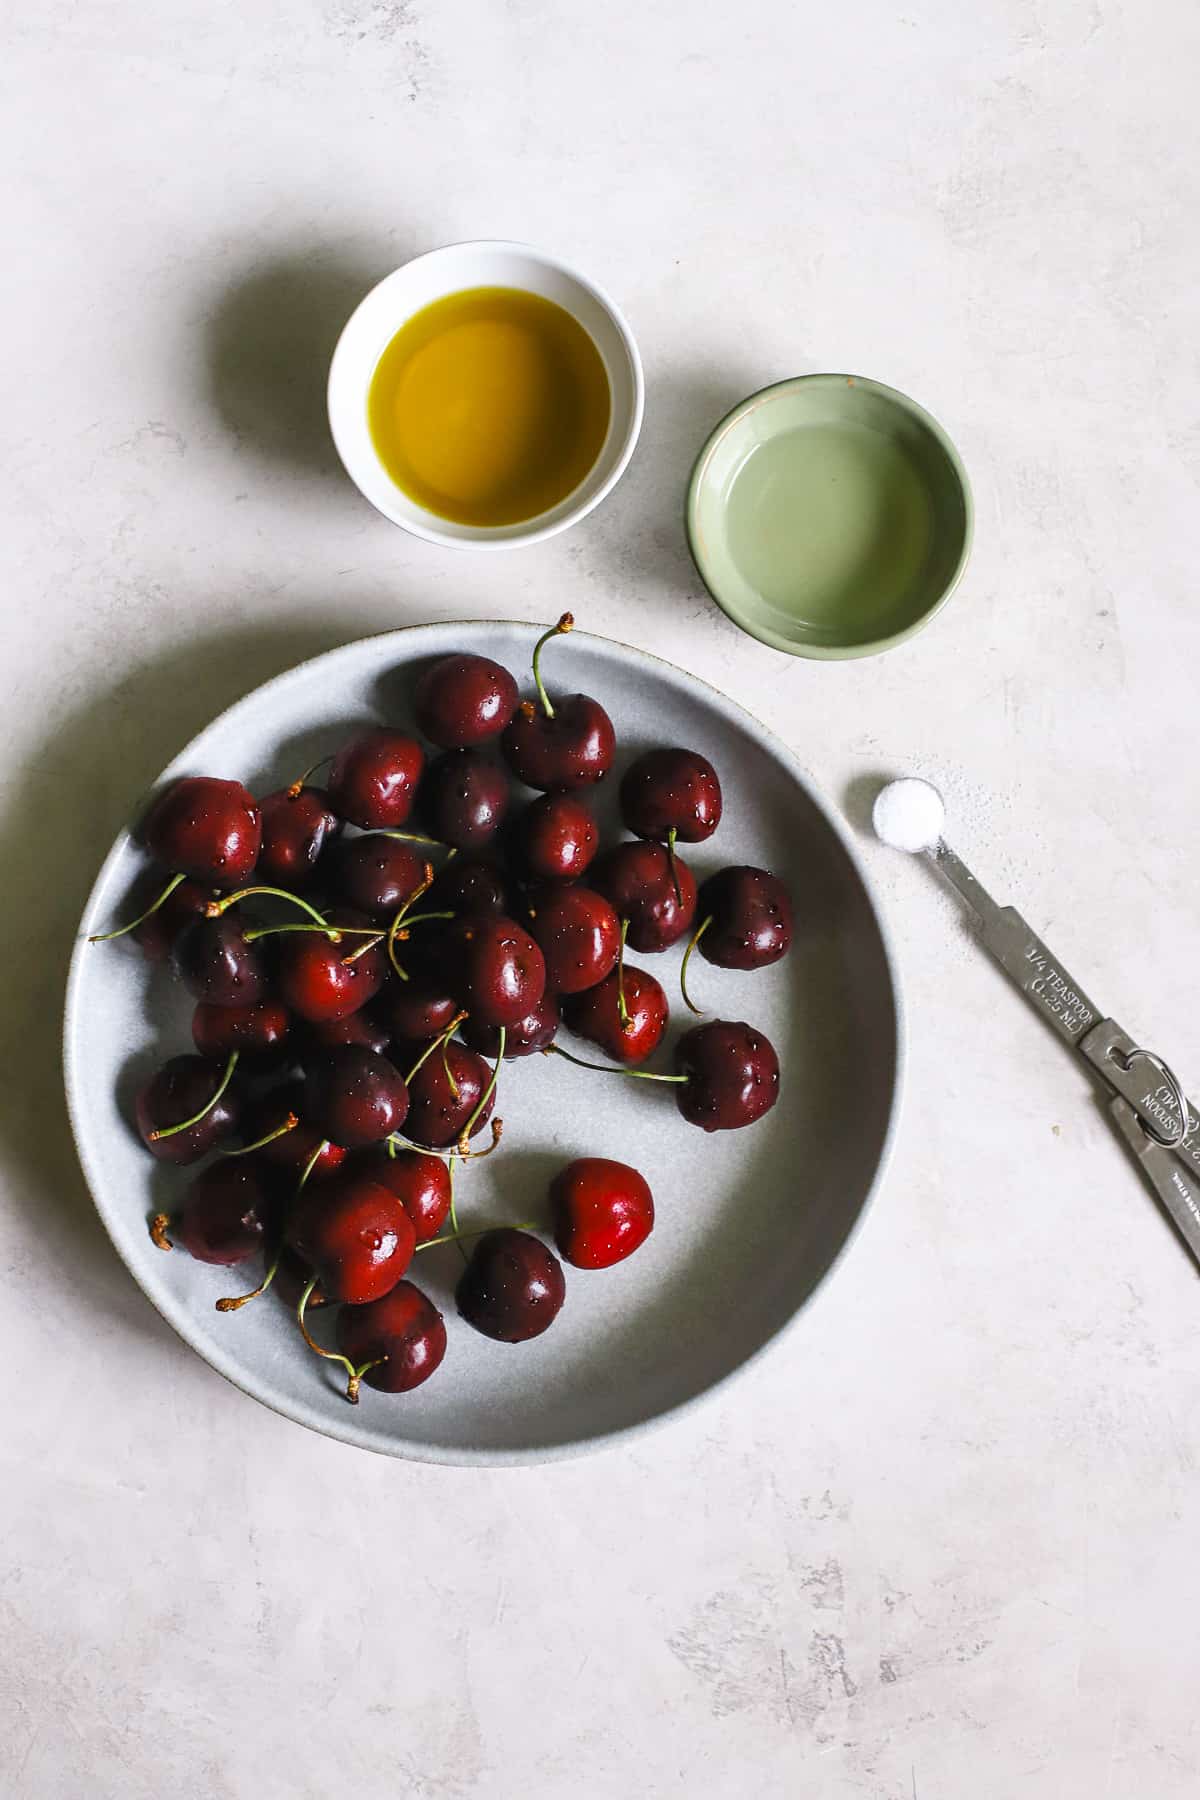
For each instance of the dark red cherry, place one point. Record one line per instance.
(322, 980)
(733, 1075)
(403, 1335)
(156, 936)
(215, 963)
(747, 919)
(464, 798)
(671, 791)
(636, 878)
(354, 1096)
(512, 1288)
(421, 1184)
(438, 1108)
(373, 781)
(183, 1087)
(297, 823)
(365, 1028)
(354, 1235)
(464, 700)
(291, 1278)
(258, 1032)
(375, 874)
(565, 743)
(415, 1010)
(468, 885)
(293, 1151)
(555, 838)
(603, 1211)
(596, 1015)
(579, 935)
(228, 1212)
(208, 829)
(530, 1034)
(498, 971)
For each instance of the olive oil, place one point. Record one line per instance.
(489, 406)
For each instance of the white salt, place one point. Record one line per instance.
(909, 814)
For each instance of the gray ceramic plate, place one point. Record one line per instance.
(748, 1222)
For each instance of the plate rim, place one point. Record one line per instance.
(416, 1450)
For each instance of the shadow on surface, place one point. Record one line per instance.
(81, 786)
(858, 798)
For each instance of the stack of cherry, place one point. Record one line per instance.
(348, 998)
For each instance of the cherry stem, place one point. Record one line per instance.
(236, 1301)
(106, 937)
(414, 837)
(158, 1231)
(354, 1374)
(393, 929)
(215, 908)
(465, 1136)
(671, 836)
(429, 1049)
(289, 1124)
(186, 1124)
(335, 933)
(565, 624)
(311, 1164)
(622, 1009)
(451, 1083)
(456, 1237)
(454, 1227)
(297, 787)
(610, 1068)
(683, 967)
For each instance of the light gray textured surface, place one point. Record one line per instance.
(944, 1543)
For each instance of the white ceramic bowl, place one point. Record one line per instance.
(376, 320)
(748, 1222)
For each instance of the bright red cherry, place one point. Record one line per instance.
(182, 1089)
(579, 935)
(596, 1015)
(498, 970)
(512, 1289)
(322, 980)
(354, 1234)
(463, 700)
(569, 743)
(297, 823)
(421, 1183)
(375, 874)
(354, 1096)
(532, 1033)
(464, 798)
(228, 1212)
(208, 829)
(403, 1335)
(438, 1106)
(556, 838)
(733, 1075)
(603, 1211)
(373, 781)
(259, 1032)
(669, 794)
(637, 879)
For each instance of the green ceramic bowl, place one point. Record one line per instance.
(829, 516)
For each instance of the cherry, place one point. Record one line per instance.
(556, 838)
(441, 1105)
(292, 1276)
(596, 1015)
(747, 919)
(464, 700)
(464, 798)
(512, 1288)
(187, 1087)
(669, 794)
(259, 1032)
(216, 963)
(579, 935)
(533, 1032)
(732, 1075)
(321, 980)
(295, 1149)
(498, 971)
(373, 781)
(567, 744)
(415, 1009)
(364, 1028)
(227, 1214)
(650, 887)
(469, 885)
(375, 874)
(354, 1096)
(397, 1342)
(603, 1211)
(208, 829)
(421, 1183)
(165, 906)
(354, 1234)
(297, 823)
